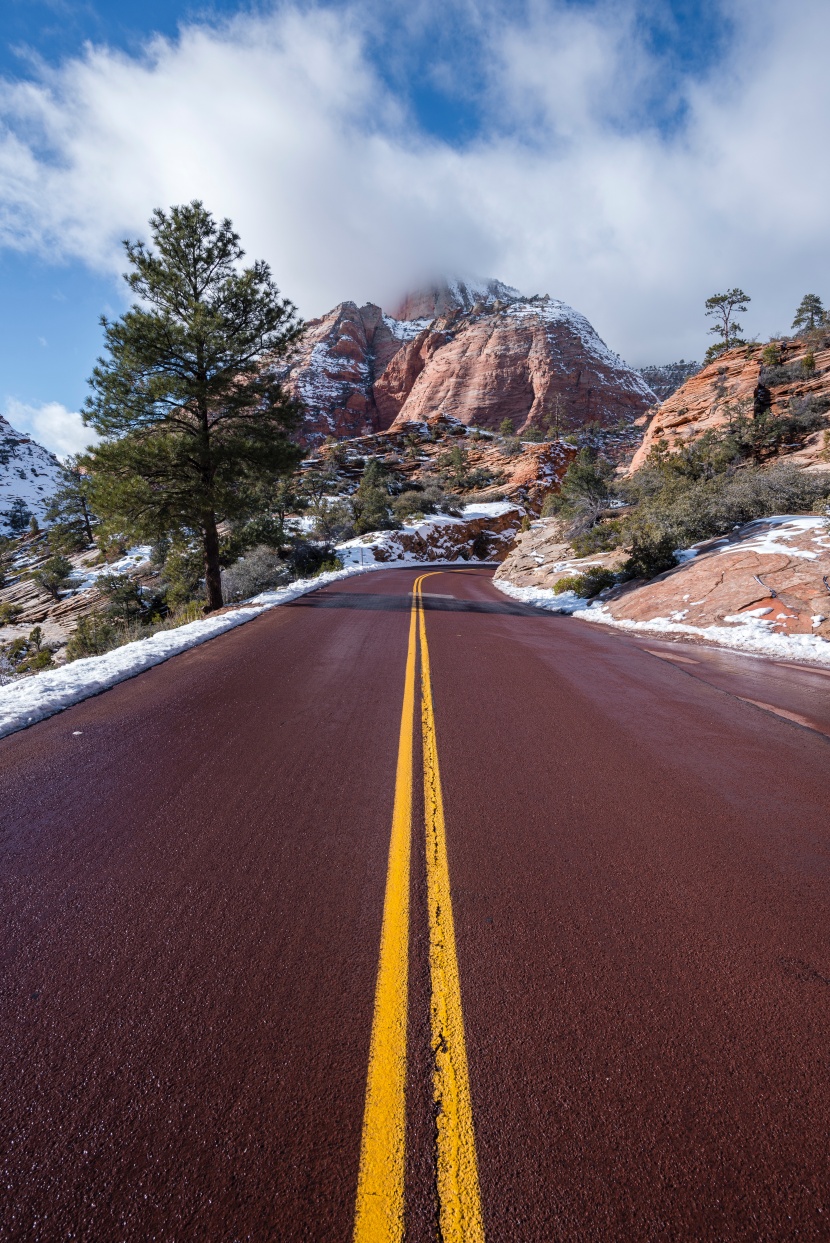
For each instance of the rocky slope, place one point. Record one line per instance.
(480, 352)
(29, 474)
(665, 378)
(542, 555)
(765, 581)
(743, 380)
(480, 533)
(420, 453)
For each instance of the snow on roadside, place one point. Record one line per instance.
(749, 633)
(36, 698)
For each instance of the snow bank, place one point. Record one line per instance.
(35, 698)
(749, 633)
(42, 695)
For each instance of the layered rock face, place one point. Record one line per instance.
(740, 381)
(334, 370)
(480, 352)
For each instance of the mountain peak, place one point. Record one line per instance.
(453, 294)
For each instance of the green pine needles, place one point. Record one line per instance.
(188, 399)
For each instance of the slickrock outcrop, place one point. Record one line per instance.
(542, 555)
(480, 352)
(29, 474)
(774, 569)
(742, 381)
(482, 533)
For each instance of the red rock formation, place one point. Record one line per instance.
(731, 384)
(335, 367)
(773, 569)
(479, 352)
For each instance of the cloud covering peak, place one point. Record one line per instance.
(597, 171)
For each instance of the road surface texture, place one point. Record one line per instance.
(241, 922)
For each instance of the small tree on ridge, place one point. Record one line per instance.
(722, 307)
(810, 313)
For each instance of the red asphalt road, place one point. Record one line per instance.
(193, 871)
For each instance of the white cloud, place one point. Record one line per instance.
(281, 122)
(60, 430)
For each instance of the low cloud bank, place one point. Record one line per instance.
(598, 173)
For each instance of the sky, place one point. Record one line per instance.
(631, 157)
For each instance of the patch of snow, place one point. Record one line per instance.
(747, 633)
(488, 509)
(134, 557)
(406, 329)
(542, 597)
(787, 528)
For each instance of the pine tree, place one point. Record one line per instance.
(193, 416)
(69, 509)
(370, 502)
(722, 307)
(810, 313)
(17, 516)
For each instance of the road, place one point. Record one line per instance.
(302, 944)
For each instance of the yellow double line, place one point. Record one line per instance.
(379, 1211)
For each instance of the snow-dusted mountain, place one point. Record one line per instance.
(477, 350)
(29, 474)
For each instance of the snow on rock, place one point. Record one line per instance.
(764, 588)
(28, 473)
(523, 359)
(745, 632)
(478, 350)
(483, 532)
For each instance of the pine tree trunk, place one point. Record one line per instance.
(87, 523)
(213, 571)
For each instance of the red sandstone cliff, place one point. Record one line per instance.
(737, 382)
(477, 351)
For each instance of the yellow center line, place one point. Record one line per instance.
(460, 1218)
(379, 1210)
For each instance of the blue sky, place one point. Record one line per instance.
(629, 156)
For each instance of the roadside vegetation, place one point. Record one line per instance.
(675, 500)
(726, 477)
